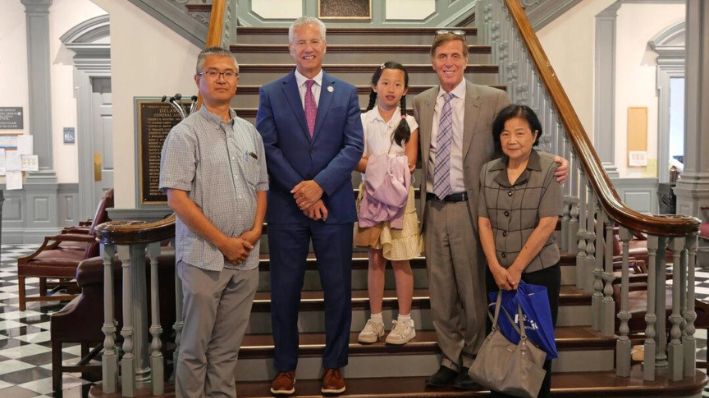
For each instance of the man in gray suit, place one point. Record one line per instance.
(455, 124)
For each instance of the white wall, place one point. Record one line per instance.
(13, 61)
(569, 43)
(147, 59)
(409, 9)
(64, 15)
(14, 91)
(636, 74)
(413, 10)
(277, 9)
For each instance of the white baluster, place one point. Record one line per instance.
(128, 359)
(156, 358)
(608, 305)
(674, 349)
(688, 343)
(109, 359)
(661, 303)
(623, 345)
(597, 297)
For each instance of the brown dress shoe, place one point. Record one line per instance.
(332, 382)
(283, 383)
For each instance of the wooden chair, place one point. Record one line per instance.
(58, 258)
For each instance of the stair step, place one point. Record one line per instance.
(261, 345)
(566, 385)
(574, 309)
(247, 97)
(361, 74)
(580, 349)
(338, 35)
(355, 48)
(353, 53)
(354, 68)
(313, 299)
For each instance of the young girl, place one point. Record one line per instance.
(389, 131)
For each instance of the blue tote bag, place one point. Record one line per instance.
(538, 326)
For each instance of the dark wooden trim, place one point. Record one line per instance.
(563, 385)
(361, 89)
(363, 68)
(354, 48)
(312, 344)
(283, 31)
(198, 7)
(469, 20)
(591, 163)
(134, 232)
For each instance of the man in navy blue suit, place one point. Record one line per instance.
(312, 134)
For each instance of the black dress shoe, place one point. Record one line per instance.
(444, 377)
(463, 380)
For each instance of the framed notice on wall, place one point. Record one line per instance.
(345, 9)
(637, 136)
(154, 119)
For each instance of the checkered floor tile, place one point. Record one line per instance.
(25, 348)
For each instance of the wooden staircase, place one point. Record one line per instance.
(586, 363)
(586, 358)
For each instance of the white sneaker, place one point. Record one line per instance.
(371, 332)
(401, 333)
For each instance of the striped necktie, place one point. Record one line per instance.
(444, 141)
(311, 108)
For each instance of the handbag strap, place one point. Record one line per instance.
(518, 326)
(520, 320)
(498, 304)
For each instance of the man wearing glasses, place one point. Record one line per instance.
(455, 125)
(213, 169)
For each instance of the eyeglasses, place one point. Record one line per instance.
(215, 74)
(456, 32)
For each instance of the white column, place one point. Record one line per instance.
(692, 189)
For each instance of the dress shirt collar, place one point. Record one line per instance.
(458, 91)
(300, 79)
(216, 119)
(534, 164)
(374, 115)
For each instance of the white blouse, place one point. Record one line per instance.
(378, 133)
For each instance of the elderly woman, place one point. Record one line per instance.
(518, 210)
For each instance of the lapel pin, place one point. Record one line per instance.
(330, 89)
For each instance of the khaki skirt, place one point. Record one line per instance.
(395, 244)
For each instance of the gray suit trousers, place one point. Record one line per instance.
(456, 280)
(216, 309)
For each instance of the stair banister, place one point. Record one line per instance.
(133, 242)
(591, 197)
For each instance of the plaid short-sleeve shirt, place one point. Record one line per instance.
(514, 210)
(221, 165)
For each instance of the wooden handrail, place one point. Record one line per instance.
(133, 232)
(214, 31)
(216, 24)
(674, 225)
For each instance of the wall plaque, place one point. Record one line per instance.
(345, 9)
(11, 118)
(154, 120)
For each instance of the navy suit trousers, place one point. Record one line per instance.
(288, 249)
